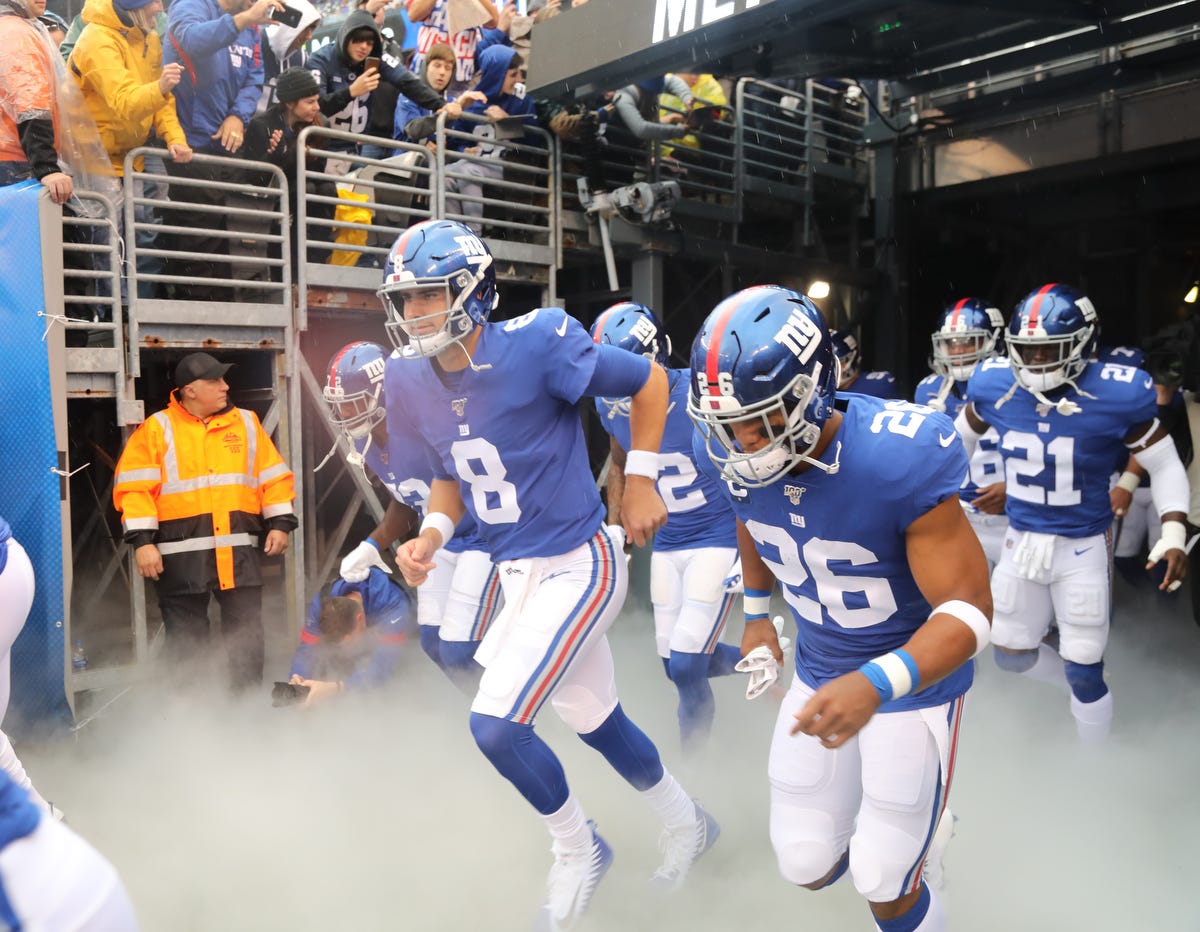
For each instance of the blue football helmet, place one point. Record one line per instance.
(845, 348)
(764, 355)
(354, 388)
(634, 328)
(432, 262)
(968, 332)
(1051, 337)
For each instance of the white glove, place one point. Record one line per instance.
(356, 565)
(1034, 554)
(733, 582)
(761, 664)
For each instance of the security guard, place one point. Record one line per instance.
(197, 486)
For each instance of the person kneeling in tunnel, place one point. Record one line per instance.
(353, 637)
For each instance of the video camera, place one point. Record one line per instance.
(1173, 356)
(284, 694)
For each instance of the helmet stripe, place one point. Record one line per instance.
(957, 311)
(712, 368)
(1037, 303)
(601, 323)
(333, 363)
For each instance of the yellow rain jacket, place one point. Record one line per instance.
(118, 68)
(205, 493)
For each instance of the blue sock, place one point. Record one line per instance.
(458, 660)
(722, 660)
(689, 673)
(431, 643)
(627, 749)
(522, 758)
(911, 919)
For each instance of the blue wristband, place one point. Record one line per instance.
(893, 675)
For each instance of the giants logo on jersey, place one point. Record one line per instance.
(800, 335)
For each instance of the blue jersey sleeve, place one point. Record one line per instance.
(570, 354)
(618, 373)
(924, 461)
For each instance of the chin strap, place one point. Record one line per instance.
(471, 362)
(828, 468)
(938, 401)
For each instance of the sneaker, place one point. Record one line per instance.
(573, 879)
(934, 872)
(681, 848)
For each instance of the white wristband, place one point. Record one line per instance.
(1129, 481)
(755, 606)
(441, 523)
(970, 616)
(641, 463)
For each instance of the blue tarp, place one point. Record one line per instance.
(30, 494)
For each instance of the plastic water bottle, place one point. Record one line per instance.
(79, 656)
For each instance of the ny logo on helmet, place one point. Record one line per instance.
(794, 493)
(473, 249)
(800, 335)
(643, 330)
(373, 370)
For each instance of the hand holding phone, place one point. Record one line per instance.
(289, 16)
(372, 62)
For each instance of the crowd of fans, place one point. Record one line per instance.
(206, 80)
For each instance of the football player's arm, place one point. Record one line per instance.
(1121, 496)
(971, 427)
(757, 579)
(1156, 453)
(949, 567)
(397, 523)
(615, 487)
(642, 510)
(446, 508)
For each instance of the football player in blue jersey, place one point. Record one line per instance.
(498, 418)
(353, 637)
(851, 504)
(462, 597)
(1064, 421)
(969, 331)
(876, 384)
(695, 549)
(1130, 496)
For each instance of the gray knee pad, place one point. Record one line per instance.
(1015, 663)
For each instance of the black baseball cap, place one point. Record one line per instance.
(199, 366)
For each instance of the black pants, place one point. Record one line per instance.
(185, 617)
(182, 213)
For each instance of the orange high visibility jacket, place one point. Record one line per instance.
(205, 494)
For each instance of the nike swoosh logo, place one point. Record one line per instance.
(1080, 553)
(1149, 383)
(670, 407)
(562, 331)
(946, 441)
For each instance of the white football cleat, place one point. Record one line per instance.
(573, 878)
(682, 847)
